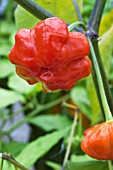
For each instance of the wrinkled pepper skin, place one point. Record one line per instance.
(98, 141)
(50, 54)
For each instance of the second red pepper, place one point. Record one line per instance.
(98, 141)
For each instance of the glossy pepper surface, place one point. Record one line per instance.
(50, 54)
(98, 141)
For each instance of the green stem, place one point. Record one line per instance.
(1, 167)
(95, 17)
(97, 90)
(76, 24)
(34, 9)
(37, 10)
(110, 164)
(15, 167)
(78, 13)
(107, 111)
(69, 105)
(80, 125)
(16, 113)
(34, 112)
(10, 159)
(104, 77)
(43, 98)
(13, 115)
(70, 139)
(93, 26)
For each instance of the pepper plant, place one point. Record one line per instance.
(58, 54)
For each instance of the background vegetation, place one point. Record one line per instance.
(46, 117)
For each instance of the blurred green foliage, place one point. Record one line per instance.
(49, 127)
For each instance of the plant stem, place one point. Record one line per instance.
(69, 105)
(15, 167)
(10, 159)
(37, 10)
(95, 18)
(107, 111)
(76, 24)
(103, 75)
(34, 112)
(79, 115)
(70, 139)
(97, 90)
(80, 125)
(78, 13)
(1, 167)
(16, 113)
(93, 26)
(110, 164)
(34, 9)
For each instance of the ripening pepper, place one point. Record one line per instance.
(50, 54)
(98, 141)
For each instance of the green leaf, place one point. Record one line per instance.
(7, 165)
(108, 18)
(28, 21)
(6, 27)
(51, 122)
(106, 49)
(63, 9)
(38, 148)
(81, 158)
(39, 87)
(18, 84)
(7, 30)
(80, 97)
(9, 97)
(5, 48)
(53, 165)
(95, 107)
(6, 68)
(85, 163)
(111, 73)
(76, 143)
(12, 147)
(57, 8)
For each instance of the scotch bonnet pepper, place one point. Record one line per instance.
(50, 54)
(98, 141)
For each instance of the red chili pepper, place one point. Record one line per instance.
(98, 141)
(51, 54)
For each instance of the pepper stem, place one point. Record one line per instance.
(78, 13)
(110, 164)
(77, 24)
(34, 9)
(95, 17)
(70, 139)
(80, 125)
(10, 159)
(1, 167)
(106, 108)
(103, 75)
